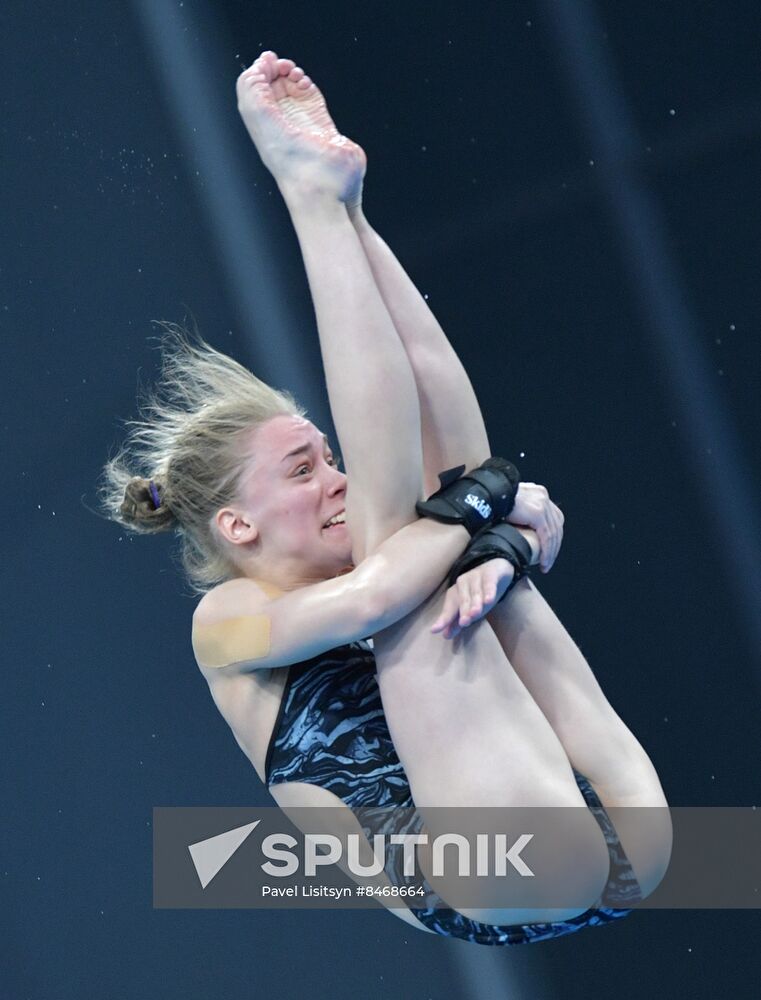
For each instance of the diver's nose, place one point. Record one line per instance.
(337, 483)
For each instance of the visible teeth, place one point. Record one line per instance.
(338, 519)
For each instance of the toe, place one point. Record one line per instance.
(265, 65)
(296, 73)
(285, 66)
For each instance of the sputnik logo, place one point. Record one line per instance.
(210, 856)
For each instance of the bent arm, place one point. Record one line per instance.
(244, 625)
(239, 626)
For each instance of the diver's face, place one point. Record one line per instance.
(291, 490)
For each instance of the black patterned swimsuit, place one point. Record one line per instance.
(331, 731)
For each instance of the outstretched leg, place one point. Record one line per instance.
(314, 166)
(374, 403)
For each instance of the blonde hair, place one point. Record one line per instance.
(186, 450)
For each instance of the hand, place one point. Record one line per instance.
(472, 596)
(288, 120)
(534, 509)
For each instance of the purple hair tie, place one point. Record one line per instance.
(154, 494)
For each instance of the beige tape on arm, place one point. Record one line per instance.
(233, 640)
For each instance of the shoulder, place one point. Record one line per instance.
(241, 596)
(231, 627)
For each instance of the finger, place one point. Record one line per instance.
(490, 591)
(557, 533)
(561, 529)
(444, 622)
(449, 611)
(451, 627)
(544, 534)
(477, 595)
(549, 537)
(474, 609)
(463, 585)
(544, 531)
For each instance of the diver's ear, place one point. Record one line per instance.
(235, 526)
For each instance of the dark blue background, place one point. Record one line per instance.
(480, 179)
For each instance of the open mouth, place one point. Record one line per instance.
(337, 521)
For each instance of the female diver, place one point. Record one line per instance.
(297, 571)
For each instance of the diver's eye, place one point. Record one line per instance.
(302, 467)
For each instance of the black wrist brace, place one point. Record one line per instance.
(501, 541)
(483, 496)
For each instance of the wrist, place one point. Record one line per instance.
(533, 540)
(502, 566)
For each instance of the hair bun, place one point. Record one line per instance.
(144, 505)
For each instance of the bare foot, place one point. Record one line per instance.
(288, 120)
